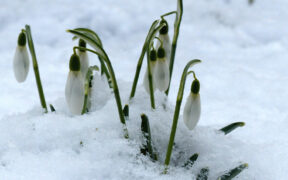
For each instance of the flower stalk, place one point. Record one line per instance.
(150, 79)
(36, 69)
(176, 112)
(177, 23)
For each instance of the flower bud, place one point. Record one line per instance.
(84, 60)
(162, 77)
(21, 59)
(74, 90)
(153, 58)
(192, 109)
(164, 37)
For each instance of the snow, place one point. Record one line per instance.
(243, 78)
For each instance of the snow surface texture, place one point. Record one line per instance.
(243, 78)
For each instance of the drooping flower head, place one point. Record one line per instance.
(21, 59)
(74, 90)
(152, 59)
(192, 109)
(164, 37)
(162, 77)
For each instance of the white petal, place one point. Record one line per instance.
(74, 92)
(21, 63)
(146, 79)
(166, 45)
(192, 111)
(100, 92)
(162, 74)
(84, 63)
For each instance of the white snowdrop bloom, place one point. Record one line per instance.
(21, 59)
(192, 109)
(74, 91)
(164, 37)
(84, 60)
(100, 91)
(162, 77)
(153, 58)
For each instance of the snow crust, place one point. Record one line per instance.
(243, 78)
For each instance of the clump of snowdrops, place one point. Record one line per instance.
(160, 52)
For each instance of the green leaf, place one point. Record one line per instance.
(91, 41)
(203, 174)
(126, 110)
(191, 160)
(91, 33)
(233, 172)
(52, 108)
(147, 147)
(231, 127)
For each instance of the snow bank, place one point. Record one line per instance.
(243, 78)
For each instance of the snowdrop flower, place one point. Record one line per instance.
(74, 90)
(162, 77)
(100, 91)
(21, 59)
(164, 37)
(153, 58)
(192, 107)
(83, 56)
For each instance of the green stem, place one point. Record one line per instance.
(115, 86)
(175, 39)
(169, 13)
(35, 67)
(150, 79)
(176, 112)
(152, 32)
